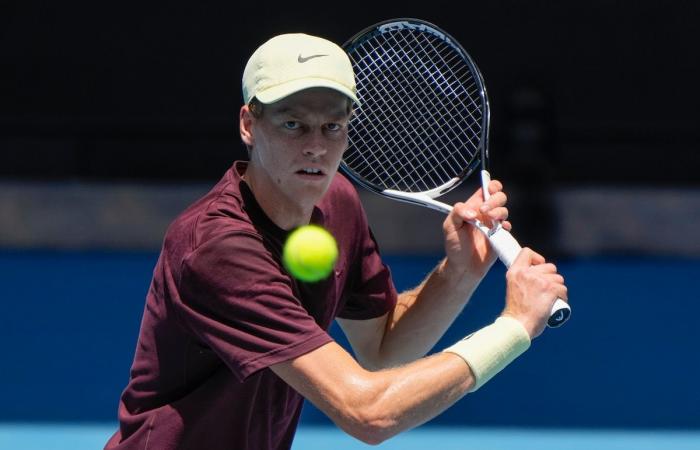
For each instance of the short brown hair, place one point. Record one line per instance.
(255, 107)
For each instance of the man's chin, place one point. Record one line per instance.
(310, 193)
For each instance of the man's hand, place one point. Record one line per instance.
(532, 287)
(468, 250)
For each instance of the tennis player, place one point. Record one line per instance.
(230, 344)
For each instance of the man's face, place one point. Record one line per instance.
(298, 143)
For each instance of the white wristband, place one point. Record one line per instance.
(492, 348)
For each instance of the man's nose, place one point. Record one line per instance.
(315, 145)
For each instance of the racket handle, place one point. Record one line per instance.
(508, 249)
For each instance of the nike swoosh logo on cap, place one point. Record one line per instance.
(302, 59)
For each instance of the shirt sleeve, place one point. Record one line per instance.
(372, 293)
(235, 298)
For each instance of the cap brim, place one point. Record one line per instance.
(276, 93)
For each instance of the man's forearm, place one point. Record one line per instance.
(423, 314)
(374, 406)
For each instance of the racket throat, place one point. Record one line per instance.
(418, 198)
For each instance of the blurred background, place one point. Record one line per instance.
(114, 116)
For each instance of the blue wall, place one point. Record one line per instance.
(628, 357)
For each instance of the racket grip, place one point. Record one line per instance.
(508, 249)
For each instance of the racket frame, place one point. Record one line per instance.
(505, 245)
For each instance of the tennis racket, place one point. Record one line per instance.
(423, 126)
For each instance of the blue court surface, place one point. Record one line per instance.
(93, 436)
(71, 321)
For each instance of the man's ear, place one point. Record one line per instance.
(246, 124)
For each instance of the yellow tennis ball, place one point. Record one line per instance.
(310, 253)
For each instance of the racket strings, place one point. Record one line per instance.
(439, 113)
(420, 123)
(409, 134)
(455, 91)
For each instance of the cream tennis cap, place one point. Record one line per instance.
(289, 63)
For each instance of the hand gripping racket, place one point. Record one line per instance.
(423, 126)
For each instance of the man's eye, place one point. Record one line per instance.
(291, 125)
(333, 126)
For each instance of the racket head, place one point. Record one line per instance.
(423, 123)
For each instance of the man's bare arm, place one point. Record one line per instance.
(420, 318)
(423, 314)
(373, 406)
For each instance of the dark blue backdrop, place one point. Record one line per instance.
(628, 358)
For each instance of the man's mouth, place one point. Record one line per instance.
(310, 171)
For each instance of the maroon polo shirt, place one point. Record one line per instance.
(221, 309)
